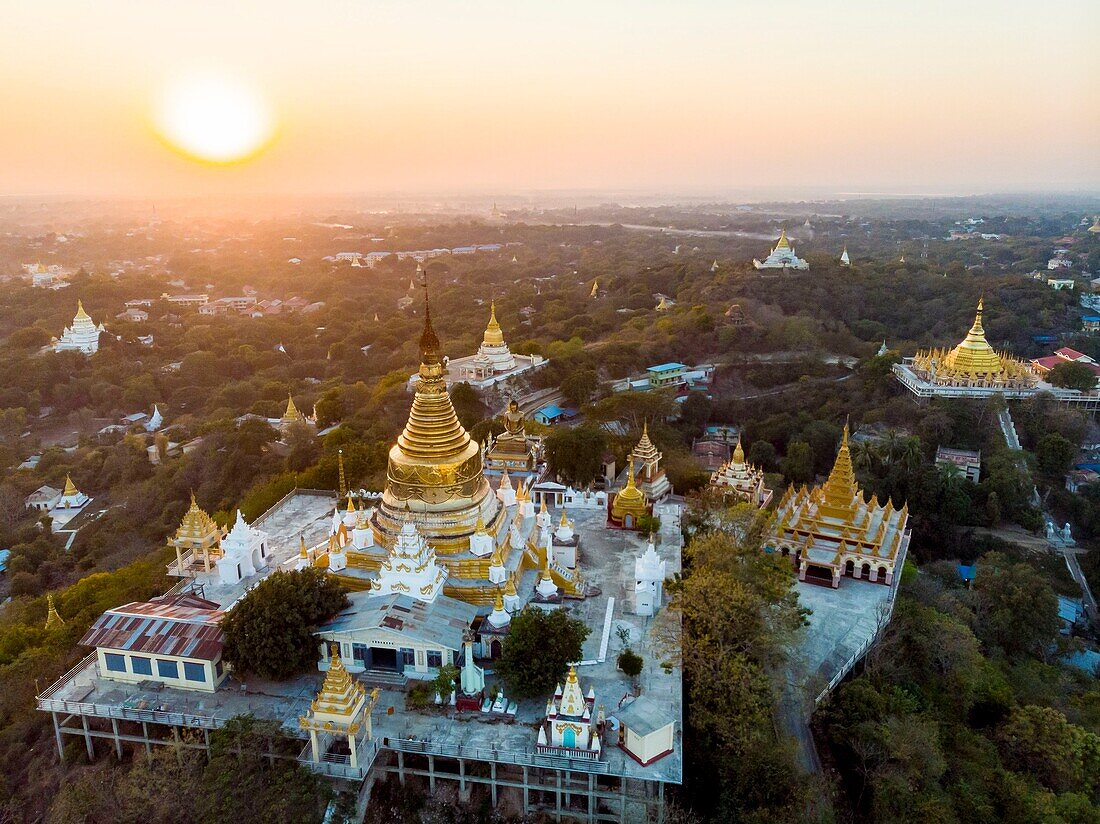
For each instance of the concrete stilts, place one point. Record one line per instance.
(57, 736)
(88, 738)
(118, 741)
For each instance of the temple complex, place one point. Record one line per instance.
(82, 336)
(739, 478)
(973, 368)
(196, 543)
(830, 532)
(782, 256)
(494, 363)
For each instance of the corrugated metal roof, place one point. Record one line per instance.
(184, 626)
(442, 621)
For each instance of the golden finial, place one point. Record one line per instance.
(70, 488)
(343, 484)
(564, 521)
(53, 619)
(302, 551)
(351, 505)
(738, 452)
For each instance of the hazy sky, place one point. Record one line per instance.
(381, 95)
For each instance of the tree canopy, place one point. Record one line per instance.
(537, 651)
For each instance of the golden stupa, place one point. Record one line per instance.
(630, 503)
(434, 477)
(493, 334)
(973, 361)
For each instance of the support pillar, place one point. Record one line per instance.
(401, 767)
(493, 785)
(57, 737)
(206, 740)
(591, 798)
(526, 791)
(145, 735)
(88, 738)
(661, 802)
(463, 788)
(354, 753)
(557, 795)
(118, 741)
(431, 774)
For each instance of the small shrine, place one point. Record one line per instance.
(569, 730)
(53, 619)
(244, 552)
(513, 450)
(782, 256)
(650, 571)
(339, 717)
(82, 336)
(629, 504)
(740, 479)
(651, 476)
(196, 543)
(71, 497)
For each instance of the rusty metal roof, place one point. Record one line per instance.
(184, 626)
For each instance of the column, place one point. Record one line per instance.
(802, 571)
(118, 741)
(87, 738)
(493, 784)
(431, 774)
(315, 746)
(354, 754)
(57, 737)
(591, 797)
(401, 767)
(145, 735)
(526, 792)
(874, 573)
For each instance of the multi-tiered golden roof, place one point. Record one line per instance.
(493, 334)
(831, 530)
(973, 361)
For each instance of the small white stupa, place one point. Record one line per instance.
(410, 568)
(649, 580)
(244, 551)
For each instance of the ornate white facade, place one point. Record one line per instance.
(244, 552)
(410, 568)
(82, 336)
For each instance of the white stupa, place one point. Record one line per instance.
(156, 420)
(649, 580)
(244, 552)
(82, 336)
(782, 256)
(410, 568)
(844, 259)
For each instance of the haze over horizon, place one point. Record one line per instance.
(693, 97)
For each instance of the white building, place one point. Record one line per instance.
(82, 336)
(569, 729)
(650, 571)
(782, 256)
(244, 552)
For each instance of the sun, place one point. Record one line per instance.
(213, 117)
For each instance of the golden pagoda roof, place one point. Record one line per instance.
(510, 587)
(738, 452)
(630, 500)
(70, 488)
(974, 356)
(783, 243)
(292, 413)
(53, 619)
(645, 450)
(1095, 227)
(433, 450)
(841, 493)
(80, 313)
(493, 334)
(341, 698)
(197, 526)
(595, 288)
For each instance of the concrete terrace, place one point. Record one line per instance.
(607, 559)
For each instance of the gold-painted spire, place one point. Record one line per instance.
(434, 453)
(783, 242)
(510, 587)
(543, 507)
(70, 488)
(292, 413)
(738, 452)
(80, 313)
(493, 334)
(840, 491)
(53, 619)
(351, 505)
(302, 551)
(595, 288)
(341, 698)
(564, 521)
(342, 487)
(197, 527)
(974, 356)
(480, 525)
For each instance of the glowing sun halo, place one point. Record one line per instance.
(213, 117)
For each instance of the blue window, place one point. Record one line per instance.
(435, 658)
(167, 669)
(141, 665)
(115, 663)
(194, 672)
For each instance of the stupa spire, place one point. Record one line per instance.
(493, 334)
(53, 619)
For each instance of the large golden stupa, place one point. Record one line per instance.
(973, 362)
(434, 477)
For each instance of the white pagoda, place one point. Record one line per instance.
(844, 259)
(739, 477)
(244, 552)
(782, 256)
(410, 568)
(71, 497)
(568, 729)
(649, 581)
(82, 336)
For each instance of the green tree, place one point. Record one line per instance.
(576, 455)
(270, 631)
(1071, 375)
(1062, 756)
(1006, 591)
(579, 386)
(798, 465)
(538, 650)
(1054, 455)
(467, 404)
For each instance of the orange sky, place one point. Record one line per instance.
(385, 95)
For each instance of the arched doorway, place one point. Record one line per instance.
(882, 574)
(866, 570)
(628, 521)
(850, 568)
(569, 737)
(494, 648)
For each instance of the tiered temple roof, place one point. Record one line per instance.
(831, 530)
(973, 363)
(630, 503)
(738, 477)
(196, 541)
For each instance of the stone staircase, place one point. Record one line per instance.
(383, 679)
